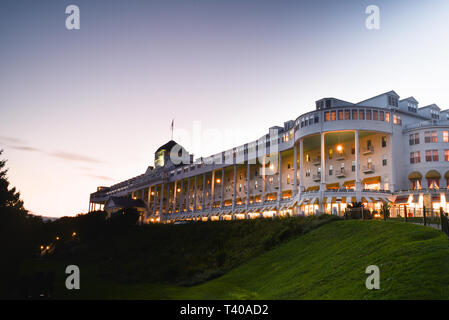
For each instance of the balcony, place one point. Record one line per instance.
(368, 150)
(317, 177)
(341, 173)
(368, 168)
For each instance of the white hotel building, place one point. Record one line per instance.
(379, 149)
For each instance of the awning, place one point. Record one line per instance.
(343, 200)
(313, 188)
(415, 175)
(433, 174)
(291, 205)
(353, 199)
(436, 198)
(300, 202)
(373, 200)
(331, 186)
(371, 180)
(349, 183)
(401, 200)
(324, 200)
(313, 200)
(364, 200)
(317, 201)
(334, 200)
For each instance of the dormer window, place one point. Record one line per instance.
(434, 114)
(412, 107)
(392, 101)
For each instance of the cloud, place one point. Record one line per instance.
(99, 177)
(74, 157)
(25, 148)
(6, 139)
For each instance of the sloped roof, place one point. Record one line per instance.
(433, 105)
(392, 92)
(124, 202)
(410, 99)
(168, 146)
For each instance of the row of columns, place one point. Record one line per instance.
(295, 191)
(93, 206)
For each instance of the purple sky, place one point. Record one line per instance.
(89, 107)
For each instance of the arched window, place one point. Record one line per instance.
(433, 179)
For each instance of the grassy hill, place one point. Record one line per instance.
(326, 263)
(330, 262)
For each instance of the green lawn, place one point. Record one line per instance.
(326, 263)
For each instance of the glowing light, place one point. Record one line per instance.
(42, 247)
(218, 181)
(339, 148)
(271, 166)
(57, 238)
(48, 247)
(74, 234)
(179, 190)
(152, 193)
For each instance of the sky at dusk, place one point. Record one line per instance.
(84, 108)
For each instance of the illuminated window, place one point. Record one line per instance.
(387, 116)
(446, 155)
(368, 115)
(333, 116)
(434, 136)
(331, 152)
(340, 114)
(288, 178)
(384, 141)
(435, 155)
(361, 114)
(354, 114)
(445, 136)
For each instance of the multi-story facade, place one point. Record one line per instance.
(380, 149)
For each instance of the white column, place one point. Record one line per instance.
(392, 182)
(301, 166)
(323, 171)
(154, 199)
(235, 187)
(280, 176)
(222, 188)
(262, 196)
(358, 186)
(212, 190)
(248, 176)
(162, 200)
(203, 200)
(188, 194)
(195, 193)
(181, 197)
(295, 171)
(175, 193)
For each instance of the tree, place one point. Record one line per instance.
(385, 210)
(9, 198)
